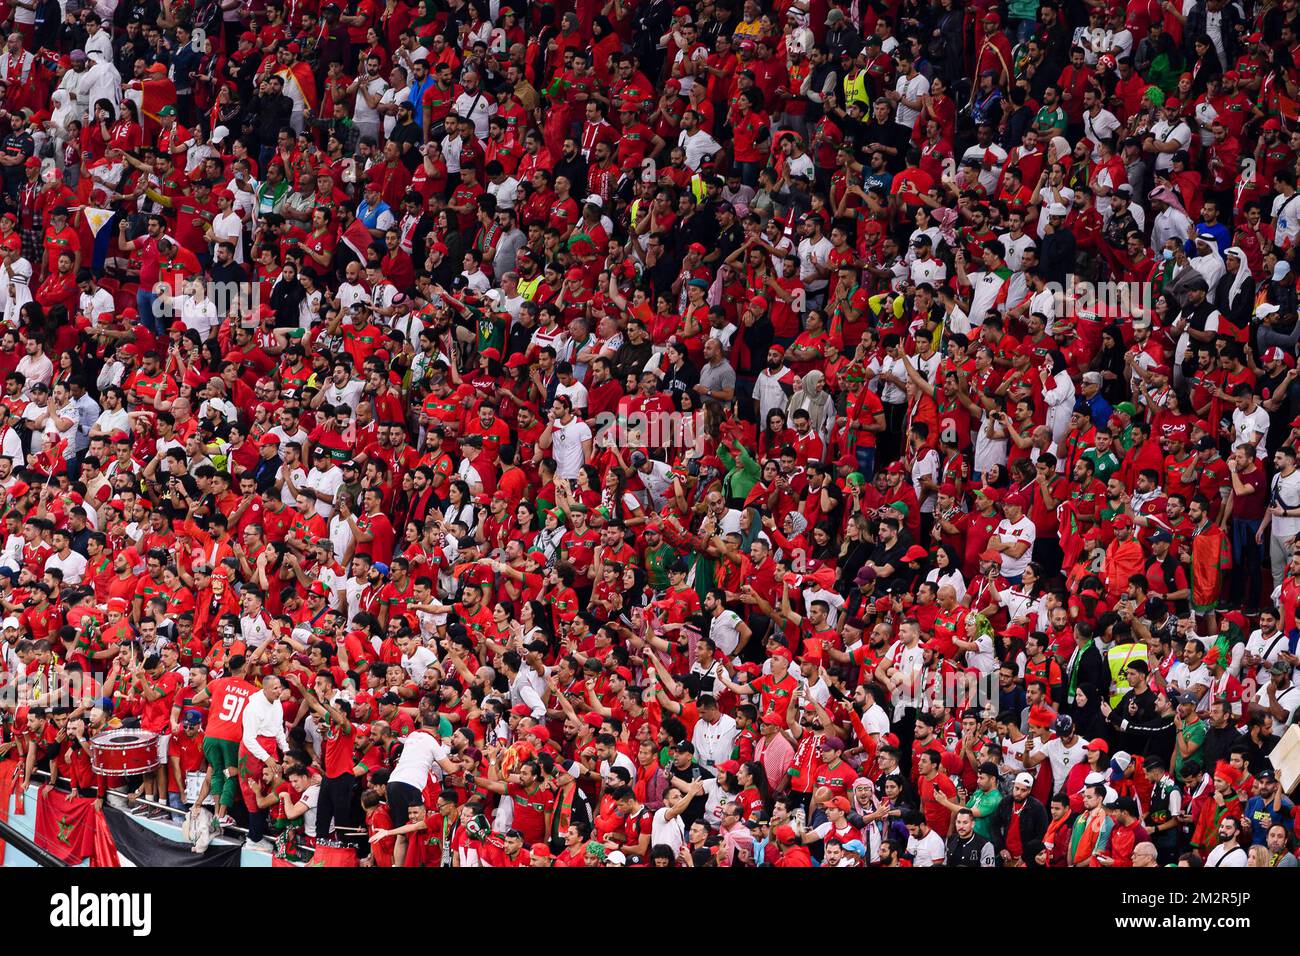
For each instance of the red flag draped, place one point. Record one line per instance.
(65, 826)
(8, 775)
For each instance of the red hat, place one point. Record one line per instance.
(1097, 745)
(248, 35)
(540, 732)
(575, 274)
(1227, 773)
(992, 494)
(773, 720)
(1122, 521)
(990, 556)
(33, 162)
(1017, 499)
(18, 489)
(516, 360)
(783, 652)
(270, 438)
(916, 553)
(594, 721)
(895, 468)
(1040, 716)
(697, 247)
(491, 354)
(949, 489)
(1272, 123)
(521, 710)
(729, 766)
(992, 17)
(785, 834)
(318, 589)
(294, 48)
(540, 850)
(842, 803)
(117, 604)
(759, 303)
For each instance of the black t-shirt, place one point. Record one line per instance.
(404, 133)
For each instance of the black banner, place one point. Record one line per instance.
(145, 848)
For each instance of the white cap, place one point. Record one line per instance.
(8, 623)
(1057, 209)
(1025, 779)
(594, 200)
(219, 134)
(1267, 308)
(617, 857)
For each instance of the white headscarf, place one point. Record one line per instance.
(1243, 273)
(1209, 265)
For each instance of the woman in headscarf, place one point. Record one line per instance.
(1058, 393)
(1089, 721)
(1109, 361)
(53, 133)
(813, 398)
(1234, 295)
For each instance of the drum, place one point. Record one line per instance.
(124, 753)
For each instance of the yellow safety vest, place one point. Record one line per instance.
(855, 88)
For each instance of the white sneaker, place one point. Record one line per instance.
(263, 844)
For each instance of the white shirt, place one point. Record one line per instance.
(1103, 126)
(1226, 856)
(1246, 425)
(697, 145)
(1022, 530)
(416, 664)
(327, 482)
(713, 742)
(567, 447)
(477, 106)
(73, 566)
(812, 256)
(263, 718)
(665, 832)
(254, 631)
(421, 752)
(1062, 758)
(506, 192)
(724, 631)
(929, 850)
(911, 89)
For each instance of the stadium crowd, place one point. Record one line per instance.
(658, 433)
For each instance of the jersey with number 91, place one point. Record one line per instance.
(229, 696)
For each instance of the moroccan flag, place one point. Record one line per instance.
(65, 826)
(333, 856)
(358, 238)
(8, 774)
(322, 856)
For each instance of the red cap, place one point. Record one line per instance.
(1097, 745)
(270, 438)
